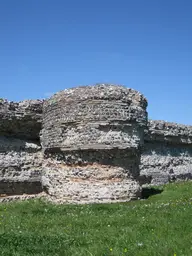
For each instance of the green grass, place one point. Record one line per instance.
(160, 225)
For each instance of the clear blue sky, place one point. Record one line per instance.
(49, 45)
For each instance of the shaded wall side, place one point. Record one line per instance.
(21, 120)
(20, 150)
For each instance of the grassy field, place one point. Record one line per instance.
(160, 225)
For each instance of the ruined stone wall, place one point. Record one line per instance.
(167, 154)
(89, 144)
(21, 119)
(20, 149)
(92, 138)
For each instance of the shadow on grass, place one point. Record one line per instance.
(147, 192)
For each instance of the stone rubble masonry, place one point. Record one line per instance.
(20, 166)
(88, 144)
(92, 136)
(20, 149)
(21, 119)
(172, 133)
(167, 154)
(101, 116)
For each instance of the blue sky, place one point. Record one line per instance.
(50, 45)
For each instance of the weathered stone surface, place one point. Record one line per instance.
(94, 134)
(23, 197)
(166, 132)
(94, 117)
(92, 176)
(167, 154)
(91, 145)
(20, 166)
(20, 159)
(21, 119)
